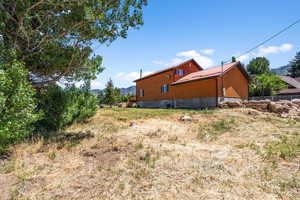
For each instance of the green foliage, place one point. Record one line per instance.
(259, 65)
(223, 125)
(233, 59)
(295, 64)
(286, 148)
(54, 38)
(17, 103)
(213, 130)
(110, 95)
(65, 106)
(266, 85)
(8, 168)
(124, 98)
(140, 113)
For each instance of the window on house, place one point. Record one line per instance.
(142, 93)
(164, 88)
(179, 72)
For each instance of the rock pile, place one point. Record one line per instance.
(186, 118)
(284, 108)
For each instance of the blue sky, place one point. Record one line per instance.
(208, 30)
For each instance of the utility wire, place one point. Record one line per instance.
(267, 40)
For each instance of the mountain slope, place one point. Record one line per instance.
(284, 70)
(128, 91)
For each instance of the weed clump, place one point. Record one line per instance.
(286, 148)
(211, 131)
(7, 168)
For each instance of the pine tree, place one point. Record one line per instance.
(295, 64)
(110, 96)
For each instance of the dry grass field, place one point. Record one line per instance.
(150, 154)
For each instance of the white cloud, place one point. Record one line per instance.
(246, 57)
(131, 76)
(176, 61)
(202, 60)
(119, 75)
(172, 62)
(243, 58)
(79, 84)
(263, 51)
(207, 51)
(182, 56)
(96, 84)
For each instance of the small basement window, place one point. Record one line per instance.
(164, 88)
(142, 93)
(179, 72)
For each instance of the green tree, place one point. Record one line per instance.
(295, 66)
(100, 97)
(259, 65)
(53, 38)
(75, 105)
(112, 94)
(125, 98)
(233, 59)
(17, 103)
(266, 85)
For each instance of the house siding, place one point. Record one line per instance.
(236, 84)
(195, 89)
(204, 93)
(152, 85)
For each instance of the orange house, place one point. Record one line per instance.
(188, 85)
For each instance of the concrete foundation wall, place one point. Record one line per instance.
(155, 104)
(196, 103)
(221, 99)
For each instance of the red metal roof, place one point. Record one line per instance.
(289, 91)
(207, 73)
(169, 68)
(291, 81)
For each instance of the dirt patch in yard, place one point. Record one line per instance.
(7, 182)
(224, 154)
(107, 151)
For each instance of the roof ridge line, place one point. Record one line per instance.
(169, 68)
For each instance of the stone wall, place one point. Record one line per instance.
(283, 108)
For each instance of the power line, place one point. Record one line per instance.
(267, 40)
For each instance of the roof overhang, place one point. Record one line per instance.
(289, 92)
(238, 64)
(198, 79)
(168, 69)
